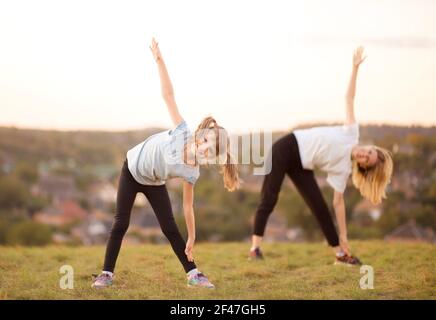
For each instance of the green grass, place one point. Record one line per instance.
(290, 271)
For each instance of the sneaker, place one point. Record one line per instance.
(347, 260)
(255, 254)
(199, 280)
(102, 280)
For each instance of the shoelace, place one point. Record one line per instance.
(100, 276)
(202, 278)
(256, 252)
(350, 259)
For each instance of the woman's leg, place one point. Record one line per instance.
(279, 157)
(307, 186)
(305, 182)
(127, 189)
(160, 202)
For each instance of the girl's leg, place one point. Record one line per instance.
(160, 202)
(127, 189)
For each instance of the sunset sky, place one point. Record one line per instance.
(252, 64)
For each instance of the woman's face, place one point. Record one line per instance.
(366, 156)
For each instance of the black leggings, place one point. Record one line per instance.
(286, 160)
(160, 202)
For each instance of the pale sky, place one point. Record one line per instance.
(251, 64)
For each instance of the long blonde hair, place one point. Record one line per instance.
(229, 168)
(372, 182)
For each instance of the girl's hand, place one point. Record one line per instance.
(358, 56)
(343, 243)
(154, 47)
(189, 248)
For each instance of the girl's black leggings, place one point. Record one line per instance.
(286, 160)
(160, 202)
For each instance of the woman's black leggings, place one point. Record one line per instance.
(286, 160)
(160, 202)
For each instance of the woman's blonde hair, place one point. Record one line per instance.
(229, 168)
(372, 182)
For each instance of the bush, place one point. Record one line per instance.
(28, 233)
(363, 233)
(4, 227)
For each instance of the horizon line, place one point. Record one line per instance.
(291, 127)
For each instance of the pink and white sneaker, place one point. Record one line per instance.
(102, 280)
(199, 280)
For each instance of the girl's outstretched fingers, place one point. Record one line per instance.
(154, 47)
(188, 250)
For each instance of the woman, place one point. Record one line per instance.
(170, 154)
(334, 150)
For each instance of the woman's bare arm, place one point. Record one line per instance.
(339, 207)
(358, 58)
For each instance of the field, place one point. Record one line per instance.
(290, 271)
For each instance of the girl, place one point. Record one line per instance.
(334, 150)
(169, 154)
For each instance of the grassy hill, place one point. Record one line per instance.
(290, 271)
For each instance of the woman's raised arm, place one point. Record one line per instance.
(358, 58)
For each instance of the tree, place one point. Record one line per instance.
(13, 193)
(27, 172)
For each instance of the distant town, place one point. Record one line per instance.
(61, 187)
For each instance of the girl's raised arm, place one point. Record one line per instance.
(166, 86)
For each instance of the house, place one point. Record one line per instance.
(60, 214)
(101, 194)
(411, 231)
(93, 230)
(57, 187)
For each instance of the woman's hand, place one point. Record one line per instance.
(154, 47)
(343, 243)
(358, 56)
(189, 248)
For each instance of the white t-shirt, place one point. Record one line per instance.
(160, 157)
(329, 149)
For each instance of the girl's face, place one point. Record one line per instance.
(205, 148)
(366, 156)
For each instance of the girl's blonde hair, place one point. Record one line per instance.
(372, 182)
(229, 168)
